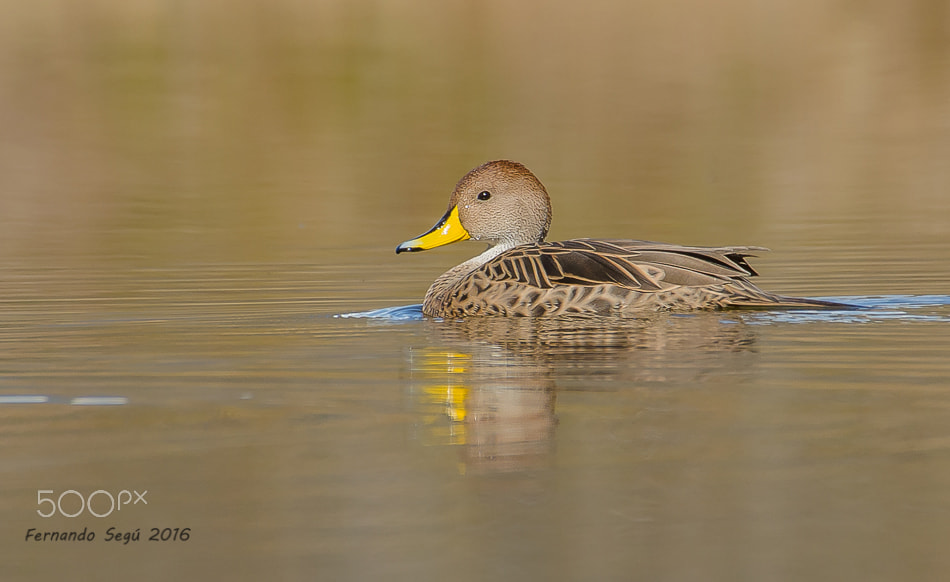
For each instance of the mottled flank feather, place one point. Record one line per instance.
(608, 276)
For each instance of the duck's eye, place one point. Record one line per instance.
(484, 195)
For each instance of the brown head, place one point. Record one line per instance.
(500, 202)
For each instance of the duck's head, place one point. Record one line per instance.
(500, 202)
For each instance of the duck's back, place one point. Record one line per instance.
(603, 276)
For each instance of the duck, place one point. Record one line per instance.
(502, 203)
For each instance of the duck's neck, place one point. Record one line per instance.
(439, 291)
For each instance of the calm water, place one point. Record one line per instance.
(200, 303)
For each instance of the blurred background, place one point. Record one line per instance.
(166, 132)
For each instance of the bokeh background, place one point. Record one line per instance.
(163, 132)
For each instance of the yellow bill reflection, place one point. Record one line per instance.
(500, 414)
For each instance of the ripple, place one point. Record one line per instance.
(398, 313)
(23, 399)
(99, 401)
(870, 308)
(911, 308)
(900, 301)
(77, 401)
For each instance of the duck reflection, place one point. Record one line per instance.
(495, 407)
(490, 387)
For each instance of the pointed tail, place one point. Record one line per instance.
(771, 301)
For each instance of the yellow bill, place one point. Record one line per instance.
(448, 230)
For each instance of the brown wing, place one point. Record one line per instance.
(639, 265)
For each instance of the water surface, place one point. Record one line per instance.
(192, 196)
